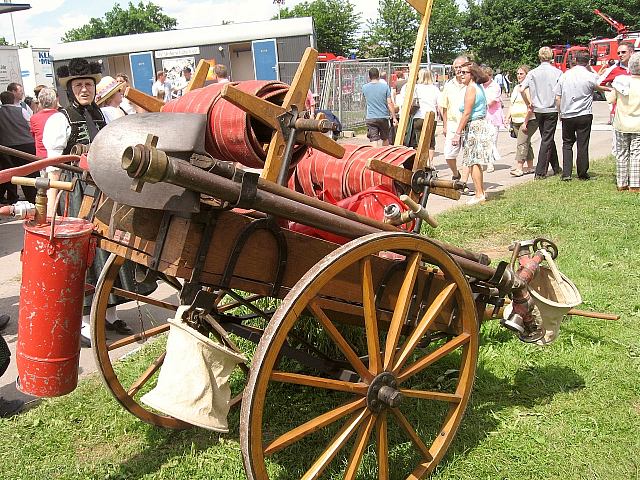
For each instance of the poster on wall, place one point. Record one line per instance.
(174, 67)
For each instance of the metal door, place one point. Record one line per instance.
(265, 59)
(142, 71)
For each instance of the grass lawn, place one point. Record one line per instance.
(570, 410)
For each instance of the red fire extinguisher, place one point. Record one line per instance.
(54, 262)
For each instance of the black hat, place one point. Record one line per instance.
(78, 68)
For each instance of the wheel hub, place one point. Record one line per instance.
(383, 393)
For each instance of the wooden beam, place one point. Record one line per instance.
(403, 176)
(296, 95)
(421, 159)
(413, 69)
(199, 77)
(149, 103)
(420, 6)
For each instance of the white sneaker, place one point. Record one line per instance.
(476, 200)
(490, 168)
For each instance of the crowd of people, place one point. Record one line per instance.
(45, 129)
(471, 106)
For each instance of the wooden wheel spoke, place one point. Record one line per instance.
(319, 382)
(358, 449)
(428, 318)
(119, 292)
(148, 373)
(382, 444)
(413, 435)
(339, 441)
(340, 341)
(137, 337)
(434, 356)
(429, 395)
(370, 318)
(314, 425)
(401, 308)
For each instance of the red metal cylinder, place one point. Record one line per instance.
(51, 297)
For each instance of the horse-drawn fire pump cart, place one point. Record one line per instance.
(350, 339)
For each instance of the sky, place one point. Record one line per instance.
(47, 20)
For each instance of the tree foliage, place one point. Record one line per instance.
(3, 41)
(506, 33)
(141, 18)
(445, 31)
(393, 33)
(336, 23)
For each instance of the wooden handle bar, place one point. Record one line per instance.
(419, 211)
(574, 311)
(600, 315)
(31, 182)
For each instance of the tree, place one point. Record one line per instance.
(336, 23)
(142, 18)
(3, 41)
(506, 33)
(445, 31)
(393, 33)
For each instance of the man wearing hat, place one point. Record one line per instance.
(80, 123)
(81, 120)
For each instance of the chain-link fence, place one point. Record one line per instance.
(339, 85)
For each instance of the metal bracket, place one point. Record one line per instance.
(270, 225)
(191, 289)
(248, 190)
(160, 240)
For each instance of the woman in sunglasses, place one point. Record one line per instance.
(475, 133)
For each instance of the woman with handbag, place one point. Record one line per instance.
(523, 124)
(425, 99)
(475, 133)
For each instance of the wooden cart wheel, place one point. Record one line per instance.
(128, 396)
(407, 392)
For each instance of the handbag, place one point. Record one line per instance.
(415, 106)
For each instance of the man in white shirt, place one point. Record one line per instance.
(18, 93)
(222, 75)
(574, 96)
(161, 89)
(182, 82)
(450, 100)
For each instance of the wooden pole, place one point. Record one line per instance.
(423, 8)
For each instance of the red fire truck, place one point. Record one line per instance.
(604, 49)
(564, 55)
(601, 50)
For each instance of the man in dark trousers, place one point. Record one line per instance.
(15, 133)
(380, 108)
(574, 95)
(541, 81)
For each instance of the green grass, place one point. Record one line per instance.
(570, 410)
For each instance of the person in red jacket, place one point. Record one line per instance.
(48, 99)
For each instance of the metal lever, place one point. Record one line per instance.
(419, 211)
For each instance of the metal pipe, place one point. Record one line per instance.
(298, 197)
(183, 174)
(5, 175)
(33, 158)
